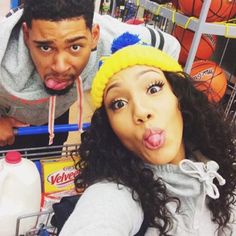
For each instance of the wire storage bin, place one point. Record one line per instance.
(42, 226)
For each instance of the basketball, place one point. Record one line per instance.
(210, 79)
(220, 10)
(205, 49)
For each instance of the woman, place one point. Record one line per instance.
(158, 158)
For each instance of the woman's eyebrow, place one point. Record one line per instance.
(113, 85)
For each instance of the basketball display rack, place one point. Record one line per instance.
(198, 25)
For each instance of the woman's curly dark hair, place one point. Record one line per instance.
(104, 157)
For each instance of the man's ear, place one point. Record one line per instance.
(25, 30)
(95, 35)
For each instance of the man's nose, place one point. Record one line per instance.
(60, 63)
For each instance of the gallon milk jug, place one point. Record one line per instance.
(20, 193)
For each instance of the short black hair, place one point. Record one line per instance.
(57, 10)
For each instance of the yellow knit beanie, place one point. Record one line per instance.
(126, 57)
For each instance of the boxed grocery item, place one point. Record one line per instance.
(48, 200)
(58, 174)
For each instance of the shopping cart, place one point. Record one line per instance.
(42, 226)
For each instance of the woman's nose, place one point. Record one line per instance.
(141, 113)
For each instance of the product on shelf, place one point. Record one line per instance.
(161, 1)
(210, 78)
(175, 3)
(105, 7)
(130, 11)
(205, 49)
(135, 21)
(220, 10)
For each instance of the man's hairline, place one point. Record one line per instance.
(58, 20)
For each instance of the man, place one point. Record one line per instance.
(46, 50)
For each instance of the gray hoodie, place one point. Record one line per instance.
(22, 94)
(105, 209)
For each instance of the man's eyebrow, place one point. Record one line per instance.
(49, 42)
(42, 42)
(72, 40)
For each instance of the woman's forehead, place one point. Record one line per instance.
(135, 75)
(136, 71)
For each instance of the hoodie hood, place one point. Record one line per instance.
(17, 72)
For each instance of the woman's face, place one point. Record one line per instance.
(144, 114)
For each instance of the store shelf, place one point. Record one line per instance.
(192, 23)
(198, 25)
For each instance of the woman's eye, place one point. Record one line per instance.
(117, 104)
(75, 48)
(154, 88)
(45, 48)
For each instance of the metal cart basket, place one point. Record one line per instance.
(42, 226)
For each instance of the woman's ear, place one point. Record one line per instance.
(25, 30)
(95, 35)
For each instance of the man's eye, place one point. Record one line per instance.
(75, 48)
(154, 88)
(118, 104)
(45, 48)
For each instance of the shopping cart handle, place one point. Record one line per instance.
(31, 130)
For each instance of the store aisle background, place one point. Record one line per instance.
(74, 137)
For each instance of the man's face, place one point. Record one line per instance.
(60, 50)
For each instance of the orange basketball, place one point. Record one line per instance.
(210, 79)
(220, 10)
(206, 45)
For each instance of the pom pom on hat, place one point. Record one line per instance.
(124, 40)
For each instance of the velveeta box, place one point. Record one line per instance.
(58, 174)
